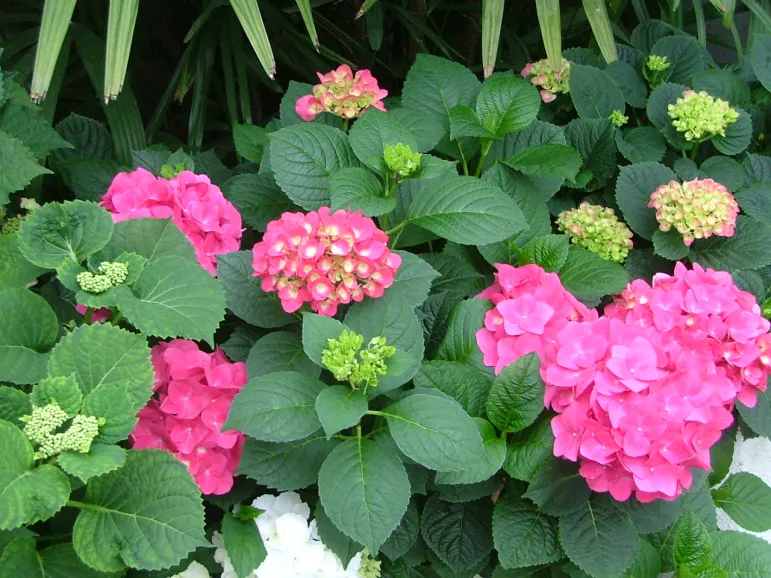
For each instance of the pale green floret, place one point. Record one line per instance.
(370, 568)
(359, 367)
(40, 428)
(92, 283)
(12, 225)
(657, 63)
(43, 422)
(617, 117)
(401, 159)
(115, 272)
(169, 172)
(699, 116)
(597, 229)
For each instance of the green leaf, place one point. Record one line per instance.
(761, 59)
(492, 460)
(21, 558)
(304, 157)
(599, 537)
(18, 167)
(466, 384)
(754, 201)
(28, 331)
(458, 277)
(404, 535)
(523, 535)
(241, 341)
(105, 357)
(413, 278)
(547, 160)
(27, 495)
(741, 555)
(286, 466)
(340, 407)
(647, 563)
(549, 252)
(14, 404)
(658, 113)
(595, 141)
(466, 210)
(459, 343)
(670, 245)
(435, 432)
(759, 416)
(737, 135)
(100, 459)
(150, 238)
(279, 351)
(371, 133)
(529, 449)
(629, 81)
(749, 248)
(426, 130)
(279, 407)
(634, 187)
(723, 84)
(685, 56)
(586, 274)
(465, 123)
(459, 534)
(357, 189)
(89, 137)
(149, 525)
(594, 92)
(250, 141)
(258, 198)
(63, 391)
(391, 317)
(174, 298)
(114, 405)
(28, 125)
(507, 104)
(15, 271)
(516, 397)
(747, 500)
(468, 492)
(243, 544)
(341, 545)
(693, 547)
(726, 171)
(70, 230)
(642, 144)
(364, 490)
(435, 85)
(558, 487)
(245, 297)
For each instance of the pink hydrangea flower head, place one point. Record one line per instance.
(196, 205)
(551, 80)
(324, 259)
(342, 93)
(530, 306)
(697, 209)
(194, 390)
(643, 392)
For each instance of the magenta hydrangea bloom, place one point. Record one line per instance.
(324, 259)
(530, 308)
(194, 392)
(343, 94)
(198, 207)
(645, 391)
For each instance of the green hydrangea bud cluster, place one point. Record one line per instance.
(617, 117)
(40, 428)
(109, 275)
(766, 308)
(696, 209)
(12, 225)
(370, 568)
(169, 172)
(349, 362)
(552, 81)
(699, 116)
(597, 229)
(401, 159)
(657, 63)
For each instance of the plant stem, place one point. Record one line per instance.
(486, 144)
(738, 43)
(117, 318)
(384, 221)
(345, 125)
(694, 152)
(87, 316)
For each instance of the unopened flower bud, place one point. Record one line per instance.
(360, 367)
(401, 159)
(597, 229)
(370, 567)
(115, 272)
(657, 63)
(92, 283)
(551, 80)
(617, 117)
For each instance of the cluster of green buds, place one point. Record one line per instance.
(11, 225)
(653, 69)
(700, 116)
(42, 425)
(370, 568)
(402, 160)
(696, 209)
(109, 275)
(347, 361)
(618, 118)
(552, 80)
(597, 229)
(169, 172)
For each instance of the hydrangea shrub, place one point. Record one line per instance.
(501, 329)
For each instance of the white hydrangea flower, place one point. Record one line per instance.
(195, 570)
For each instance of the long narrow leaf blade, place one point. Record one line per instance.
(307, 13)
(551, 30)
(492, 20)
(758, 12)
(365, 7)
(248, 12)
(120, 32)
(57, 15)
(597, 14)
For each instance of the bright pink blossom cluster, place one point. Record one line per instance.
(324, 259)
(197, 207)
(644, 391)
(195, 390)
(343, 94)
(531, 307)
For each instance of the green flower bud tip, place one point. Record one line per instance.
(401, 159)
(110, 275)
(657, 63)
(766, 308)
(617, 117)
(370, 568)
(115, 272)
(700, 116)
(169, 172)
(597, 229)
(341, 359)
(41, 425)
